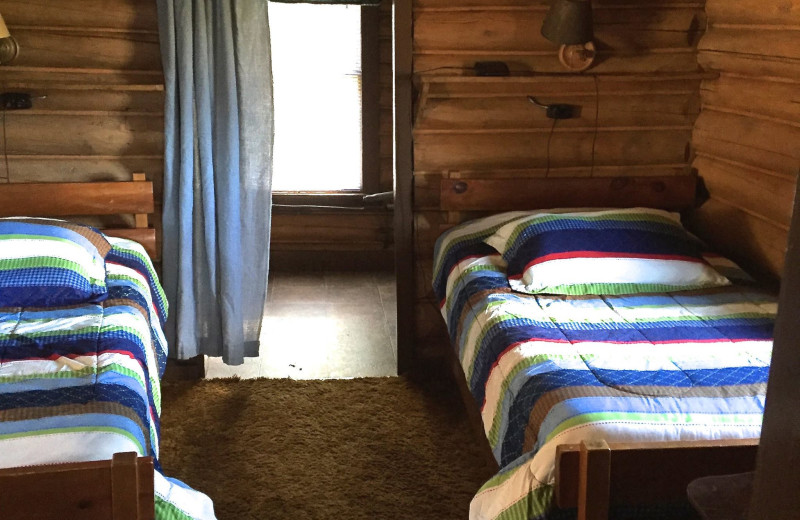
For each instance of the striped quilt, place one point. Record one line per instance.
(81, 383)
(550, 370)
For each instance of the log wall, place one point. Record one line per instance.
(97, 64)
(638, 104)
(746, 137)
(94, 70)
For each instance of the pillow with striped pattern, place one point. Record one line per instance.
(618, 251)
(50, 263)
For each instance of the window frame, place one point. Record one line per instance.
(370, 128)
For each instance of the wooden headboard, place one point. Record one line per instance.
(492, 194)
(69, 199)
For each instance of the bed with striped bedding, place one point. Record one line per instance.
(82, 382)
(549, 370)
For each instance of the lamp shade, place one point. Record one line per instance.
(569, 22)
(3, 29)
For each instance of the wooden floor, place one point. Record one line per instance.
(324, 325)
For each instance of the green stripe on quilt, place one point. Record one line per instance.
(167, 511)
(38, 262)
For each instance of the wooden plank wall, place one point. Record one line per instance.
(98, 68)
(98, 64)
(642, 93)
(747, 135)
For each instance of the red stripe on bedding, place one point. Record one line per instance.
(602, 254)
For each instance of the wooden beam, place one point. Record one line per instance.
(777, 477)
(674, 193)
(402, 34)
(67, 199)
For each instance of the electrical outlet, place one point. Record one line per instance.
(560, 111)
(15, 101)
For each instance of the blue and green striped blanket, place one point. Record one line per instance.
(81, 383)
(549, 370)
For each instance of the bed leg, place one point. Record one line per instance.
(124, 486)
(594, 482)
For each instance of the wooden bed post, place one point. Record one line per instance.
(140, 219)
(594, 484)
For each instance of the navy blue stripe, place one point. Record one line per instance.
(457, 253)
(605, 241)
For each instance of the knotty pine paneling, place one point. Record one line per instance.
(745, 138)
(637, 105)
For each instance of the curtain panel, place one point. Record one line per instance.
(217, 174)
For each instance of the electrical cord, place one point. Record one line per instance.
(549, 138)
(596, 119)
(5, 148)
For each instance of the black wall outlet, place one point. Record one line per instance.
(560, 111)
(15, 101)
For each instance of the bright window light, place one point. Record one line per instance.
(316, 71)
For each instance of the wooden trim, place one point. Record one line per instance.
(645, 472)
(594, 480)
(339, 199)
(402, 64)
(60, 199)
(57, 199)
(777, 477)
(117, 489)
(675, 192)
(370, 100)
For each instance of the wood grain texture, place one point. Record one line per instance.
(66, 199)
(673, 193)
(121, 488)
(94, 70)
(636, 110)
(745, 138)
(632, 479)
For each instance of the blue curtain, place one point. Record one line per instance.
(217, 174)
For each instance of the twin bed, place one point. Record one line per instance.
(572, 387)
(82, 353)
(606, 376)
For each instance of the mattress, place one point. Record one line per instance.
(81, 383)
(550, 370)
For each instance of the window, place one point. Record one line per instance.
(323, 104)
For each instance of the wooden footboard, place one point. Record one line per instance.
(116, 489)
(593, 476)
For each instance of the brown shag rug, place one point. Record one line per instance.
(375, 448)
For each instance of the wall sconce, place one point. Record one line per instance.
(9, 49)
(569, 23)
